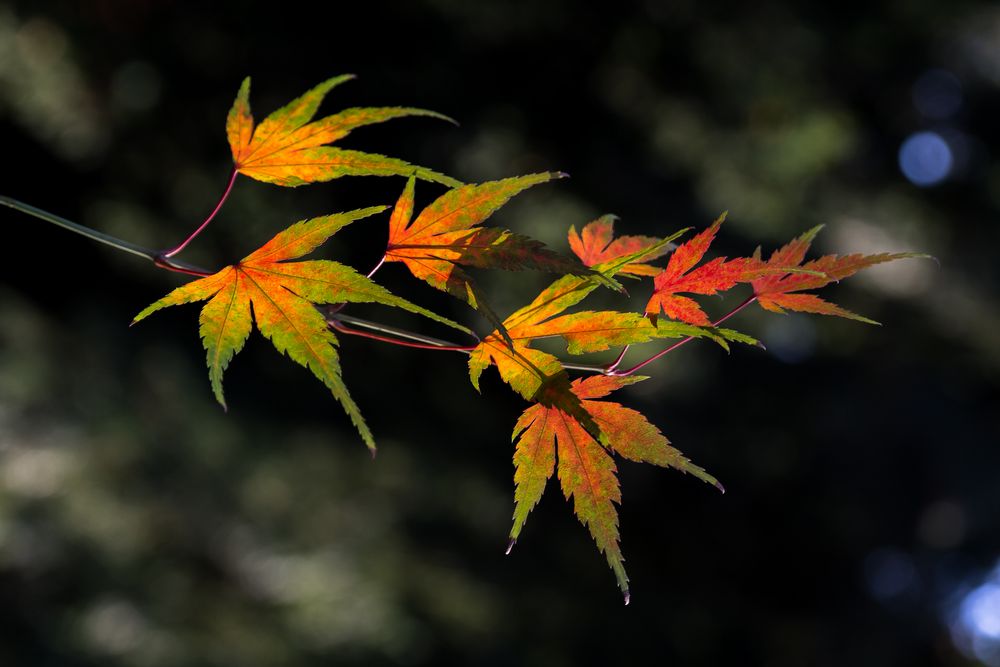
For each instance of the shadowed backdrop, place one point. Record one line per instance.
(141, 525)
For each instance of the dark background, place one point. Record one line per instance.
(141, 525)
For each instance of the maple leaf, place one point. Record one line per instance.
(596, 244)
(282, 295)
(287, 149)
(446, 236)
(680, 276)
(586, 469)
(779, 291)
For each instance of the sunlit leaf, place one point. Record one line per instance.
(282, 295)
(779, 291)
(549, 439)
(287, 149)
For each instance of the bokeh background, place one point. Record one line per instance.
(140, 525)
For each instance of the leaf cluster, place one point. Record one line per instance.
(567, 429)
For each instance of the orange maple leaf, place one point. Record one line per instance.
(447, 235)
(779, 290)
(586, 469)
(596, 244)
(283, 295)
(287, 149)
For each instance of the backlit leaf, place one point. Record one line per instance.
(710, 278)
(586, 331)
(281, 297)
(447, 235)
(779, 291)
(596, 244)
(549, 439)
(287, 149)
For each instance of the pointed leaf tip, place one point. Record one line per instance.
(628, 597)
(510, 545)
(719, 486)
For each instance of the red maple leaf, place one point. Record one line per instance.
(596, 244)
(779, 290)
(710, 278)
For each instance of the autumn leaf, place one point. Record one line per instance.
(282, 295)
(539, 376)
(287, 149)
(596, 244)
(779, 291)
(680, 276)
(447, 235)
(527, 369)
(547, 436)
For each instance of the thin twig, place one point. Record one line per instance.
(435, 343)
(335, 308)
(423, 342)
(106, 239)
(617, 362)
(344, 329)
(335, 318)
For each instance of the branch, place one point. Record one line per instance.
(403, 338)
(118, 244)
(380, 332)
(395, 336)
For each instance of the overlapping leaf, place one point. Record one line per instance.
(287, 149)
(447, 235)
(597, 244)
(527, 370)
(714, 276)
(779, 291)
(586, 470)
(282, 295)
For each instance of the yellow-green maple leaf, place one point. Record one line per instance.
(586, 470)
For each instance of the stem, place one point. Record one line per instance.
(426, 342)
(392, 335)
(377, 267)
(336, 324)
(333, 309)
(423, 342)
(167, 254)
(613, 365)
(106, 239)
(611, 371)
(584, 368)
